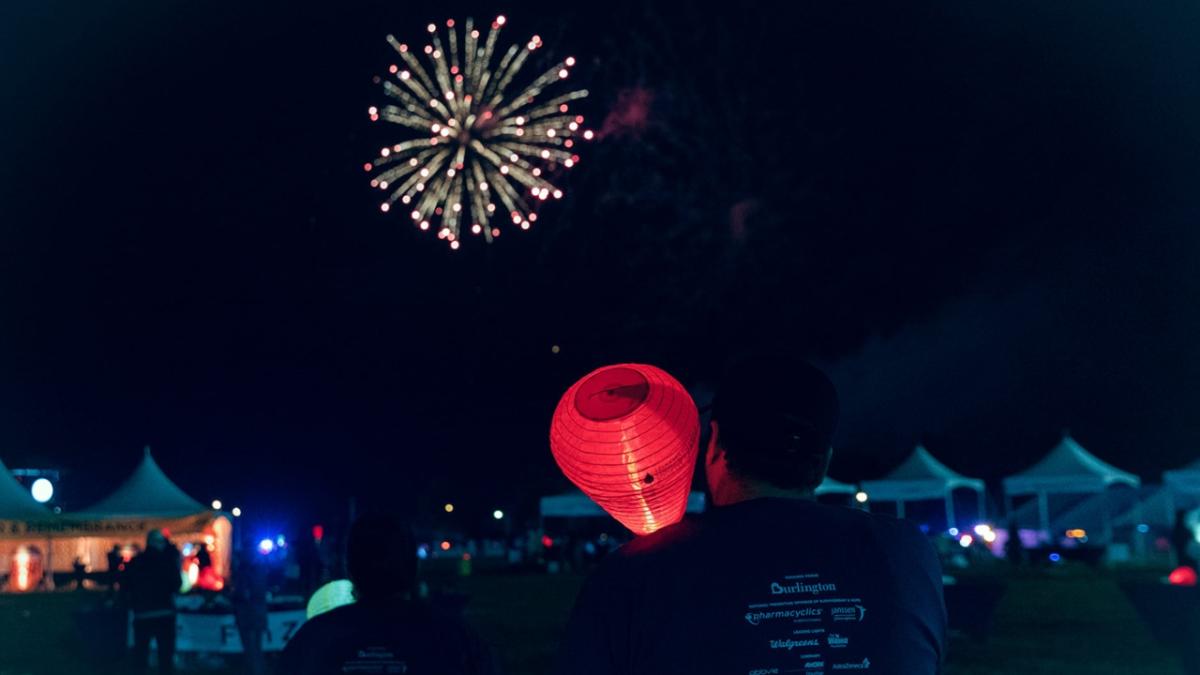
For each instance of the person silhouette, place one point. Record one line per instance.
(388, 629)
(769, 581)
(148, 587)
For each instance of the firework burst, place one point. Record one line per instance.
(481, 155)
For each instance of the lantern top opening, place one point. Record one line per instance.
(611, 393)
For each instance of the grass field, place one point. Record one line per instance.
(1068, 624)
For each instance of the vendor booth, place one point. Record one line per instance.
(23, 559)
(147, 500)
(1067, 473)
(922, 477)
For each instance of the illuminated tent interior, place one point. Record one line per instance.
(1068, 471)
(1100, 514)
(19, 563)
(922, 477)
(147, 500)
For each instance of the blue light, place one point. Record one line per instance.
(1143, 528)
(1054, 557)
(280, 542)
(953, 531)
(422, 552)
(266, 546)
(924, 528)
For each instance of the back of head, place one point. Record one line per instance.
(381, 557)
(776, 418)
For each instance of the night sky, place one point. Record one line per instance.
(980, 219)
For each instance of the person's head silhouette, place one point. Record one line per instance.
(381, 558)
(773, 420)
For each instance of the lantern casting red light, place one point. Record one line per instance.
(627, 436)
(1182, 576)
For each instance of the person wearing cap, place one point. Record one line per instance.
(768, 581)
(387, 629)
(148, 587)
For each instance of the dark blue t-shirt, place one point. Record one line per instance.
(408, 638)
(764, 587)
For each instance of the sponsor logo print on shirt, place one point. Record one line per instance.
(865, 664)
(801, 588)
(765, 671)
(790, 644)
(854, 613)
(836, 640)
(755, 618)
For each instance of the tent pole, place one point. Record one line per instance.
(1169, 502)
(1044, 514)
(899, 508)
(950, 520)
(1108, 528)
(1139, 538)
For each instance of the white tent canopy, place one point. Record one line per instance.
(578, 505)
(1184, 481)
(15, 501)
(922, 477)
(1158, 509)
(146, 493)
(1068, 469)
(830, 486)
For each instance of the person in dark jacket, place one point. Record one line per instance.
(148, 587)
(387, 629)
(769, 581)
(250, 609)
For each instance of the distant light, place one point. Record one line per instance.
(966, 540)
(1143, 528)
(318, 532)
(1077, 533)
(280, 542)
(216, 504)
(449, 508)
(547, 541)
(266, 546)
(1054, 557)
(42, 490)
(861, 497)
(982, 529)
(422, 552)
(1182, 576)
(498, 514)
(236, 511)
(445, 546)
(953, 531)
(555, 349)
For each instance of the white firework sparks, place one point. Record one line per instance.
(487, 154)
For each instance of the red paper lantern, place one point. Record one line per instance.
(627, 436)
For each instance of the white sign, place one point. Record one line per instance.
(219, 632)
